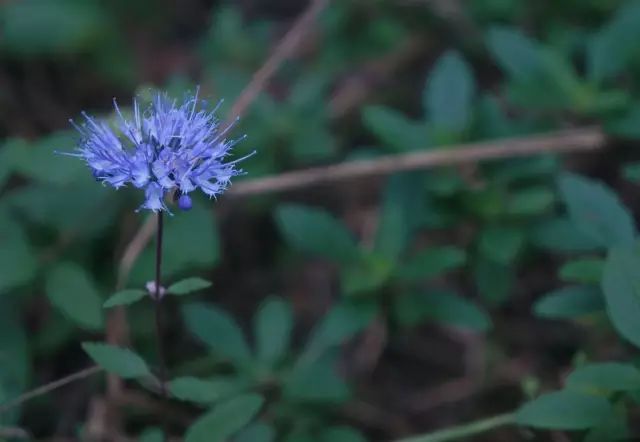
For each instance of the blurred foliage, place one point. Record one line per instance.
(451, 247)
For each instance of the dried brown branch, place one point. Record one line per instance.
(49, 387)
(574, 140)
(359, 86)
(285, 48)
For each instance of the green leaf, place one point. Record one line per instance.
(203, 391)
(225, 419)
(256, 432)
(608, 377)
(121, 361)
(570, 303)
(316, 381)
(612, 428)
(625, 125)
(71, 290)
(273, 325)
(124, 297)
(341, 434)
(365, 276)
(563, 235)
(151, 435)
(621, 287)
(501, 244)
(397, 218)
(631, 171)
(514, 52)
(431, 263)
(18, 263)
(315, 231)
(188, 285)
(341, 323)
(564, 410)
(16, 348)
(449, 93)
(493, 280)
(441, 307)
(40, 162)
(612, 47)
(540, 78)
(583, 270)
(596, 210)
(218, 330)
(516, 170)
(395, 130)
(530, 202)
(40, 27)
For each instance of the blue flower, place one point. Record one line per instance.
(164, 148)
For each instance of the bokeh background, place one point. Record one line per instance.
(363, 309)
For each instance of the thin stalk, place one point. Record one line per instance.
(466, 430)
(158, 309)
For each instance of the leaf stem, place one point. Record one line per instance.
(464, 430)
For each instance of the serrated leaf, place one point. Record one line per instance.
(449, 93)
(621, 287)
(315, 231)
(188, 285)
(570, 303)
(273, 325)
(218, 330)
(605, 377)
(203, 391)
(225, 419)
(582, 270)
(121, 361)
(597, 210)
(124, 297)
(563, 410)
(71, 290)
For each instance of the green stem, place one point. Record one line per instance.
(466, 430)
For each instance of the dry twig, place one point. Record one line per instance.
(585, 139)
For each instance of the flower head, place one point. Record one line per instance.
(166, 147)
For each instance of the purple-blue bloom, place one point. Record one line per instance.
(163, 148)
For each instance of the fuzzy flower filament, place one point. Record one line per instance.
(166, 147)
